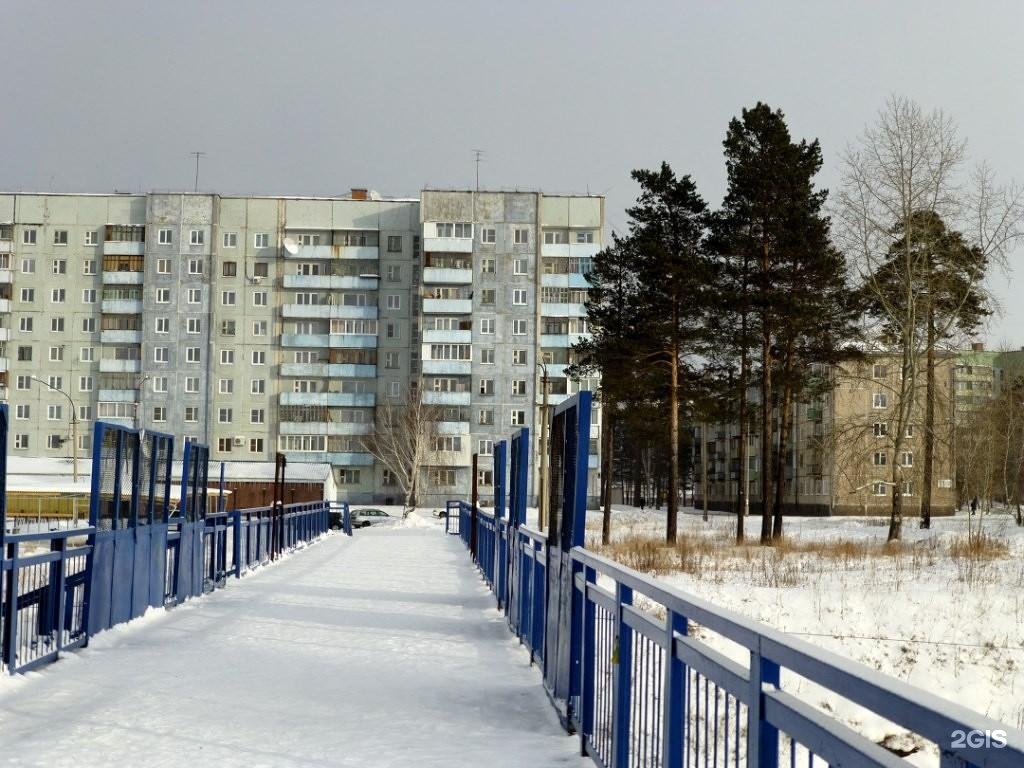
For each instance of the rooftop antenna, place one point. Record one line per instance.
(197, 155)
(478, 154)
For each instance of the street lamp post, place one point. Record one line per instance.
(542, 501)
(74, 426)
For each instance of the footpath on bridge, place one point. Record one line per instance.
(380, 650)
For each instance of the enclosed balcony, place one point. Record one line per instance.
(367, 282)
(350, 399)
(448, 306)
(121, 306)
(5, 305)
(430, 397)
(448, 336)
(329, 370)
(124, 240)
(446, 244)
(548, 309)
(454, 367)
(108, 365)
(570, 250)
(121, 336)
(447, 275)
(329, 311)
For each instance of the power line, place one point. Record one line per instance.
(197, 155)
(478, 154)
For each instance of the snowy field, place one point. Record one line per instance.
(383, 649)
(925, 613)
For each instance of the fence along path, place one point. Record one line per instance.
(378, 650)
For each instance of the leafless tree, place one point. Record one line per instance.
(405, 430)
(908, 163)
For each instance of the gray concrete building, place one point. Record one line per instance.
(265, 324)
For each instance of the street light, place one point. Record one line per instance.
(74, 426)
(542, 501)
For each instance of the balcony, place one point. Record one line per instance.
(123, 248)
(120, 366)
(121, 337)
(121, 306)
(333, 370)
(6, 246)
(350, 399)
(570, 250)
(448, 244)
(306, 252)
(6, 276)
(453, 427)
(332, 282)
(447, 275)
(571, 280)
(448, 306)
(331, 428)
(554, 398)
(456, 367)
(5, 364)
(445, 398)
(561, 339)
(449, 337)
(340, 459)
(119, 396)
(5, 305)
(5, 334)
(333, 341)
(329, 311)
(563, 310)
(461, 458)
(122, 277)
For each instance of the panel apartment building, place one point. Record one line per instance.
(265, 324)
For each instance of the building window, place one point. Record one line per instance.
(880, 428)
(519, 386)
(54, 412)
(394, 273)
(163, 266)
(879, 459)
(161, 354)
(910, 430)
(163, 325)
(24, 354)
(879, 371)
(259, 357)
(224, 444)
(191, 414)
(87, 354)
(89, 296)
(486, 386)
(227, 298)
(227, 357)
(519, 297)
(585, 236)
(57, 324)
(487, 266)
(230, 268)
(224, 415)
(487, 296)
(160, 413)
(349, 477)
(91, 237)
(191, 385)
(260, 269)
(60, 266)
(57, 295)
(196, 237)
(394, 301)
(258, 387)
(159, 383)
(28, 295)
(24, 382)
(226, 386)
(28, 266)
(394, 243)
(907, 459)
(518, 418)
(195, 266)
(195, 295)
(89, 267)
(259, 299)
(21, 441)
(164, 237)
(22, 412)
(56, 354)
(880, 400)
(163, 295)
(26, 324)
(194, 325)
(487, 235)
(519, 266)
(521, 236)
(487, 356)
(230, 239)
(255, 445)
(259, 328)
(28, 237)
(519, 327)
(227, 328)
(485, 477)
(518, 357)
(908, 487)
(257, 416)
(485, 448)
(878, 489)
(193, 355)
(487, 325)
(442, 477)
(390, 359)
(261, 240)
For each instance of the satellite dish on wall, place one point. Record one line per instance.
(291, 246)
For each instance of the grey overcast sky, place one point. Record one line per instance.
(302, 97)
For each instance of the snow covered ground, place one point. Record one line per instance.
(380, 650)
(951, 625)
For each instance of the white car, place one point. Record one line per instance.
(361, 518)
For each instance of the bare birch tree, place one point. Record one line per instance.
(906, 171)
(403, 439)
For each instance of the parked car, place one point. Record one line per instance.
(361, 518)
(335, 519)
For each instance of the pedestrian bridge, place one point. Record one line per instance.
(472, 641)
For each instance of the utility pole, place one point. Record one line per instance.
(478, 154)
(542, 495)
(197, 155)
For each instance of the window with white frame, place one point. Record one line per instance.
(519, 297)
(230, 239)
(518, 418)
(163, 295)
(521, 236)
(907, 459)
(486, 386)
(485, 447)
(163, 325)
(191, 385)
(257, 416)
(54, 412)
(163, 236)
(394, 301)
(879, 488)
(91, 237)
(585, 236)
(87, 354)
(261, 240)
(194, 325)
(57, 295)
(226, 386)
(22, 412)
(259, 357)
(161, 355)
(191, 414)
(880, 429)
(880, 459)
(880, 400)
(89, 267)
(259, 328)
(193, 354)
(259, 298)
(519, 327)
(255, 445)
(485, 477)
(258, 387)
(26, 323)
(227, 357)
(487, 325)
(488, 235)
(519, 386)
(195, 296)
(28, 266)
(21, 441)
(159, 383)
(196, 237)
(195, 266)
(487, 355)
(28, 236)
(163, 266)
(520, 266)
(160, 413)
(225, 415)
(227, 298)
(88, 325)
(519, 357)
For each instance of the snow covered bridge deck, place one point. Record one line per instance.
(379, 650)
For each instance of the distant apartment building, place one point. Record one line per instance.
(839, 459)
(266, 324)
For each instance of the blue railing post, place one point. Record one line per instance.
(587, 661)
(621, 679)
(11, 609)
(236, 544)
(674, 709)
(762, 736)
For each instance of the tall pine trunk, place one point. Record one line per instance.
(606, 473)
(672, 519)
(784, 430)
(929, 424)
(741, 497)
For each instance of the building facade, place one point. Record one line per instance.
(266, 324)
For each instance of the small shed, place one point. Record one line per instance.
(251, 483)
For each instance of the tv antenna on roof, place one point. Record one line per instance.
(197, 155)
(478, 154)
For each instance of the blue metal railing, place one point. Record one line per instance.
(626, 671)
